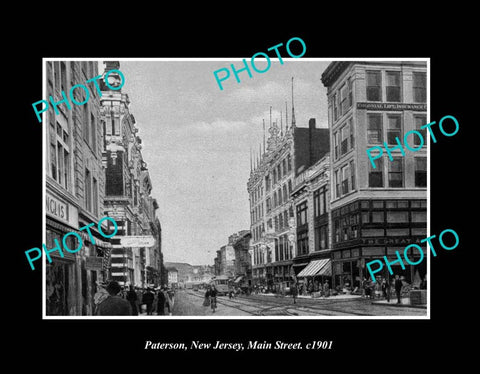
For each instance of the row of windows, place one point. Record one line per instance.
(394, 216)
(343, 139)
(280, 221)
(396, 174)
(256, 194)
(379, 213)
(379, 205)
(345, 179)
(259, 256)
(377, 132)
(283, 249)
(257, 213)
(320, 240)
(342, 100)
(281, 170)
(279, 197)
(392, 90)
(320, 206)
(257, 232)
(57, 82)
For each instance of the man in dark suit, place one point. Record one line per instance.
(114, 305)
(147, 298)
(398, 288)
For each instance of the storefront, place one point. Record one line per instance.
(349, 265)
(61, 273)
(259, 276)
(282, 278)
(367, 230)
(93, 261)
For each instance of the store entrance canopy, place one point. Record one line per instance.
(316, 267)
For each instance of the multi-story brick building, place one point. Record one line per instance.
(75, 188)
(376, 211)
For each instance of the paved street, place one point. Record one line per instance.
(189, 303)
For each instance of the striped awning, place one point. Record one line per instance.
(326, 270)
(315, 268)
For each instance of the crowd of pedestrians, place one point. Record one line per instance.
(113, 300)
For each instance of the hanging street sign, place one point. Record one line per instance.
(137, 241)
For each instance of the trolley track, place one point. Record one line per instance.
(284, 309)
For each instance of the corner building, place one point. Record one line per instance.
(376, 211)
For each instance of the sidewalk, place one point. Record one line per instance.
(393, 302)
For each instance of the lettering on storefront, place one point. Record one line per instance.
(388, 241)
(56, 208)
(419, 250)
(391, 106)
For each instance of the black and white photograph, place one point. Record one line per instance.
(240, 200)
(300, 192)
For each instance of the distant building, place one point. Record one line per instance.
(243, 263)
(172, 276)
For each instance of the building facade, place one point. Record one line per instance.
(270, 185)
(128, 189)
(242, 263)
(311, 197)
(376, 211)
(172, 277)
(75, 189)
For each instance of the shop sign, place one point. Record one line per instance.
(391, 241)
(137, 241)
(93, 263)
(392, 106)
(60, 210)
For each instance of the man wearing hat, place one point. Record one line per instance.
(114, 305)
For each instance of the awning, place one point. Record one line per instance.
(314, 268)
(326, 270)
(238, 279)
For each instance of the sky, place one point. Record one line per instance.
(196, 140)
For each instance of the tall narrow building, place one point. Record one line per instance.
(128, 188)
(376, 211)
(273, 229)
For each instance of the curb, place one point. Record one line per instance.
(420, 306)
